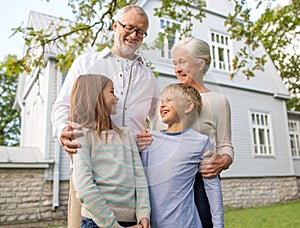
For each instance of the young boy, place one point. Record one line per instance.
(172, 160)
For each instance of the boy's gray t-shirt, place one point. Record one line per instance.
(170, 164)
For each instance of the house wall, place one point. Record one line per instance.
(296, 163)
(246, 162)
(223, 8)
(37, 111)
(33, 118)
(55, 80)
(26, 199)
(257, 192)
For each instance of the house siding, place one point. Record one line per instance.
(64, 173)
(246, 163)
(64, 159)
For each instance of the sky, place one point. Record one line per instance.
(15, 12)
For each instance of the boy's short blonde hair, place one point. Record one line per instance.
(187, 92)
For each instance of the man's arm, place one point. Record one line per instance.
(69, 133)
(62, 129)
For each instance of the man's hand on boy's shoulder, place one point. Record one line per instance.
(68, 134)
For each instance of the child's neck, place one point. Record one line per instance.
(178, 127)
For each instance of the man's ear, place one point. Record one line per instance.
(114, 26)
(189, 107)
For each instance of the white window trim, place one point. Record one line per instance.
(165, 44)
(270, 127)
(228, 59)
(297, 133)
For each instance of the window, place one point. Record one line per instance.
(261, 133)
(169, 41)
(294, 138)
(221, 53)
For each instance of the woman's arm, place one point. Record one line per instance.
(222, 158)
(223, 129)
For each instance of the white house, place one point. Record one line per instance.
(265, 135)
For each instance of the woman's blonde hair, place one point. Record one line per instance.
(198, 49)
(87, 105)
(187, 92)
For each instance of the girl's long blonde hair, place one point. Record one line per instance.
(87, 105)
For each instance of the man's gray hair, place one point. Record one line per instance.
(139, 10)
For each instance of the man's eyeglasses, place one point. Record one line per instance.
(129, 29)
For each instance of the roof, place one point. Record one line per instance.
(294, 113)
(40, 21)
(22, 157)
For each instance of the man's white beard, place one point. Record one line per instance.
(126, 50)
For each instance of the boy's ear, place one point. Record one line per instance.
(189, 107)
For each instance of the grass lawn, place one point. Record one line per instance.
(277, 216)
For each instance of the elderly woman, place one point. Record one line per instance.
(191, 58)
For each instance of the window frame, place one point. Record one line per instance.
(165, 52)
(261, 128)
(221, 41)
(296, 139)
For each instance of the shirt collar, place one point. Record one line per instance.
(107, 51)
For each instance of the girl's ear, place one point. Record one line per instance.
(189, 107)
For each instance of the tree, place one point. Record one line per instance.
(94, 16)
(280, 35)
(10, 118)
(279, 31)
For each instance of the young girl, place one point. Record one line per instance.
(107, 170)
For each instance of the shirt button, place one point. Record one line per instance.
(121, 93)
(121, 75)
